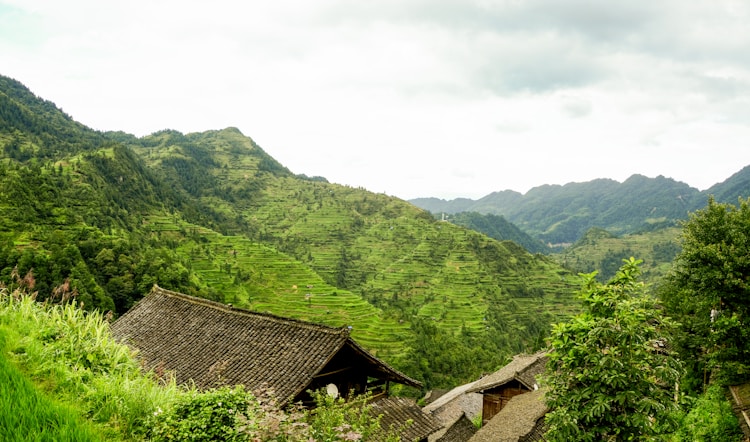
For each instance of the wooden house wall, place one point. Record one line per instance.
(495, 399)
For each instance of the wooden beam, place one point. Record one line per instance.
(340, 370)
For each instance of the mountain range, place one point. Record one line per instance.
(212, 214)
(561, 214)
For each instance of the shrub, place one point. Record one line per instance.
(232, 414)
(710, 420)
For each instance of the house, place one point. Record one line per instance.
(451, 409)
(520, 420)
(212, 344)
(516, 378)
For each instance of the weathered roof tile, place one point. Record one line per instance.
(516, 421)
(396, 411)
(524, 368)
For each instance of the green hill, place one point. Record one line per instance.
(497, 227)
(212, 214)
(561, 215)
(602, 251)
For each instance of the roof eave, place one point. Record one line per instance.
(394, 374)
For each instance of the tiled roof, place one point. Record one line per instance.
(516, 420)
(461, 431)
(451, 406)
(523, 368)
(214, 344)
(449, 396)
(396, 411)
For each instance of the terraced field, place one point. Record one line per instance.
(604, 252)
(345, 256)
(254, 276)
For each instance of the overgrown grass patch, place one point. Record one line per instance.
(27, 414)
(72, 355)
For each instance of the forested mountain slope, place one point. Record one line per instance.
(212, 214)
(496, 226)
(562, 214)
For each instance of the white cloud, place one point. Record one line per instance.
(412, 97)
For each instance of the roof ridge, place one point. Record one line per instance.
(228, 308)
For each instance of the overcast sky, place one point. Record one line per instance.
(445, 98)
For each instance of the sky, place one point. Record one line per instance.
(414, 98)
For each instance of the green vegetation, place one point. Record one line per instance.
(603, 252)
(28, 414)
(499, 228)
(708, 292)
(93, 220)
(610, 373)
(710, 419)
(70, 354)
(560, 215)
(211, 214)
(232, 414)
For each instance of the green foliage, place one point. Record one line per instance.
(712, 274)
(37, 128)
(499, 228)
(609, 375)
(561, 215)
(28, 414)
(438, 358)
(233, 414)
(710, 419)
(601, 251)
(72, 353)
(212, 214)
(209, 416)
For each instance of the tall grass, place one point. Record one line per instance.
(72, 354)
(28, 415)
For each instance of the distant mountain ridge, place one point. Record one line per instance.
(561, 214)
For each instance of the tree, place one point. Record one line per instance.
(610, 375)
(708, 292)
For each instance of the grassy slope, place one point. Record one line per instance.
(252, 275)
(259, 236)
(27, 414)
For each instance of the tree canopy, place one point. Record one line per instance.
(610, 374)
(708, 292)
